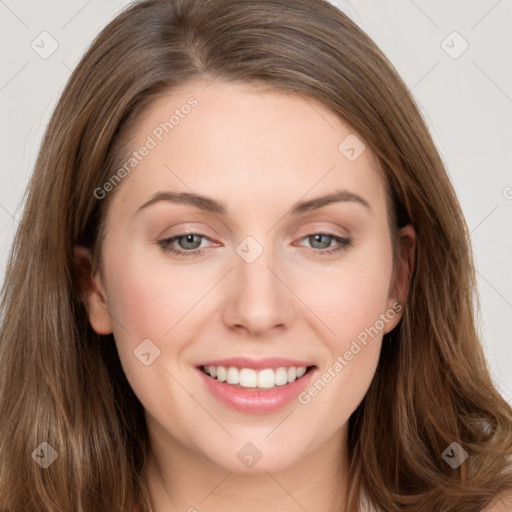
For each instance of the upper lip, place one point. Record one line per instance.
(257, 364)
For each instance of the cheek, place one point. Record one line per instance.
(157, 301)
(353, 306)
(147, 303)
(350, 296)
(149, 299)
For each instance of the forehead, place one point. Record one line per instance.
(245, 143)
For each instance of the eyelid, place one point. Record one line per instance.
(166, 243)
(191, 228)
(343, 243)
(326, 226)
(319, 230)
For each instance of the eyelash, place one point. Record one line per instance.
(344, 243)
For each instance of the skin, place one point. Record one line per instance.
(259, 152)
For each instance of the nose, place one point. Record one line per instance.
(258, 298)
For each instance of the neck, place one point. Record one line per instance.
(179, 479)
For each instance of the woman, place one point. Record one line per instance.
(251, 283)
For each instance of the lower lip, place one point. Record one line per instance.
(257, 401)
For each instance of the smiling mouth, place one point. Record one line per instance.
(249, 379)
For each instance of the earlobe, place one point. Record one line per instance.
(402, 276)
(93, 291)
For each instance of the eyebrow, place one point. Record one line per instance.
(213, 206)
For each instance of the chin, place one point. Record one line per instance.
(246, 457)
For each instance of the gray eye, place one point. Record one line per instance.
(189, 241)
(326, 243)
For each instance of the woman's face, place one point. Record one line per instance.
(269, 275)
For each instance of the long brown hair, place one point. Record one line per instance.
(63, 384)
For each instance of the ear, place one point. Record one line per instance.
(93, 291)
(401, 280)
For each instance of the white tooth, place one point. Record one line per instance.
(248, 378)
(292, 373)
(281, 376)
(301, 370)
(266, 378)
(221, 373)
(233, 375)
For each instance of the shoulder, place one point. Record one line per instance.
(501, 503)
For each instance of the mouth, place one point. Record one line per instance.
(256, 386)
(251, 379)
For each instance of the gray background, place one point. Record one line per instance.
(465, 97)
